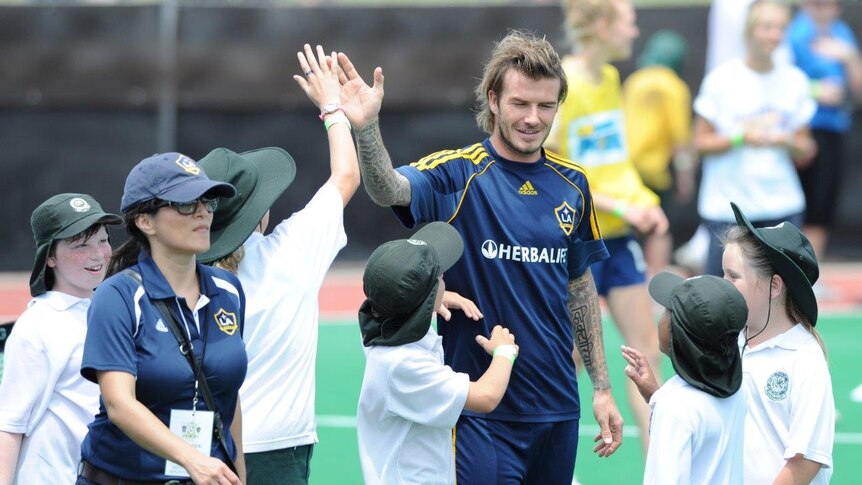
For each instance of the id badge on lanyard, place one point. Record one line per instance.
(196, 429)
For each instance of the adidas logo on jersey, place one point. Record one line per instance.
(160, 326)
(527, 189)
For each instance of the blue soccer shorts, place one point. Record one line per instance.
(626, 265)
(492, 452)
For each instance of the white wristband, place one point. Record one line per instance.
(509, 351)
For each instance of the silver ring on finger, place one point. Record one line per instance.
(308, 73)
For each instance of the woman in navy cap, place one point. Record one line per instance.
(45, 405)
(164, 330)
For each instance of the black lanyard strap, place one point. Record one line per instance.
(187, 350)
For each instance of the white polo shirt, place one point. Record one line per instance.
(281, 274)
(695, 438)
(43, 395)
(790, 405)
(408, 405)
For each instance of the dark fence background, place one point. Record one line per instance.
(81, 90)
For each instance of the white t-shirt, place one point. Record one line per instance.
(761, 180)
(790, 405)
(281, 274)
(408, 405)
(43, 395)
(695, 438)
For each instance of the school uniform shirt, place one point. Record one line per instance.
(408, 405)
(127, 334)
(43, 395)
(282, 274)
(695, 438)
(791, 409)
(761, 180)
(528, 229)
(590, 130)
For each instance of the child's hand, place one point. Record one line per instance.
(454, 300)
(640, 372)
(499, 336)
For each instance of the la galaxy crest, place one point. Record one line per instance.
(226, 321)
(565, 215)
(188, 165)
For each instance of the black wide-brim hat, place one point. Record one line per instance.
(792, 257)
(260, 177)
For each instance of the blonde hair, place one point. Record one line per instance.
(754, 12)
(755, 254)
(231, 261)
(582, 16)
(526, 53)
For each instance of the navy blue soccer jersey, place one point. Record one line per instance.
(528, 229)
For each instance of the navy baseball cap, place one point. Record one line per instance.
(171, 177)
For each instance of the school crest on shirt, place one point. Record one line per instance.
(777, 386)
(226, 321)
(565, 217)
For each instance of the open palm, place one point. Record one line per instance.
(360, 102)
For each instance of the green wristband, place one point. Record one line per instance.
(620, 208)
(334, 119)
(814, 89)
(737, 138)
(508, 351)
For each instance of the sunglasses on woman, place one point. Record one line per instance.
(189, 208)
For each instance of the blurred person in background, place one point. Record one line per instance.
(825, 49)
(530, 235)
(161, 330)
(590, 129)
(282, 273)
(657, 107)
(725, 41)
(45, 404)
(725, 34)
(752, 130)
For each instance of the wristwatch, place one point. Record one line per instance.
(328, 109)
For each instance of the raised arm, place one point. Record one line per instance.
(321, 86)
(586, 318)
(361, 104)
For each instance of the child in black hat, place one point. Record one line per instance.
(45, 405)
(790, 427)
(410, 400)
(697, 418)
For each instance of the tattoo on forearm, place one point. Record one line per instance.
(385, 186)
(582, 338)
(586, 319)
